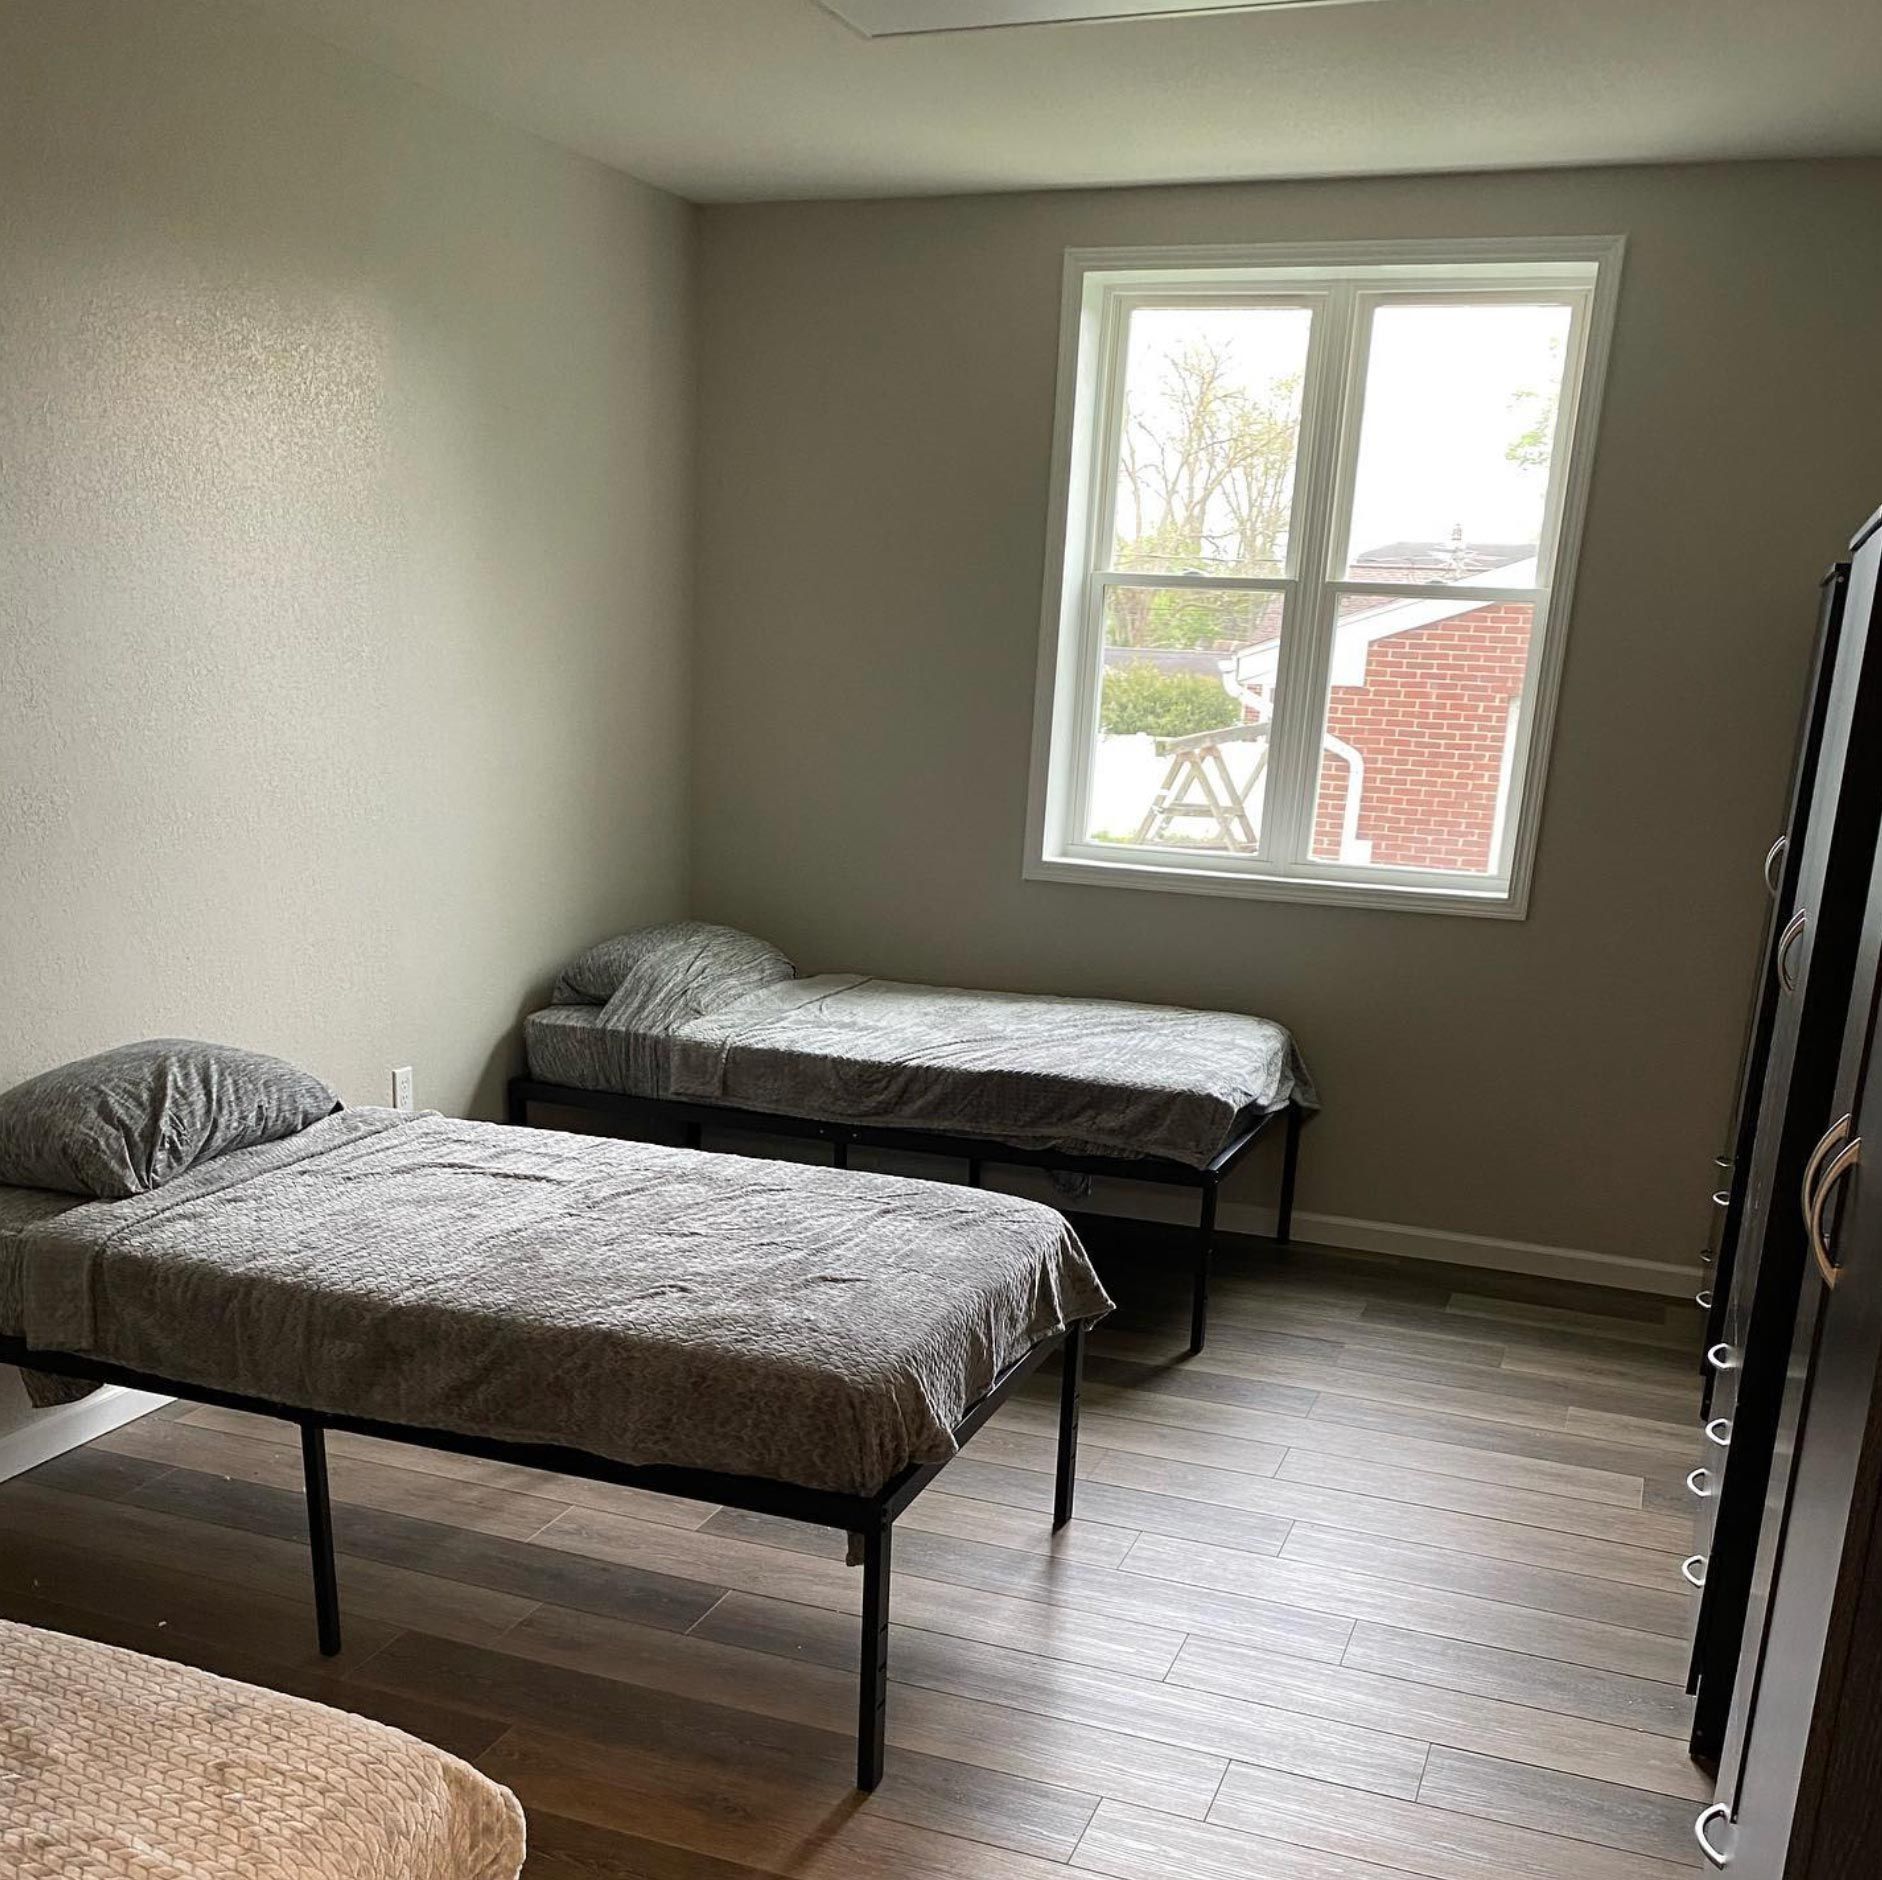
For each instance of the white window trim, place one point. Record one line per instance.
(1090, 334)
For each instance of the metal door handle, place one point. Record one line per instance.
(1719, 1811)
(1720, 1358)
(1693, 1570)
(1703, 1299)
(1700, 1483)
(1772, 856)
(1722, 1198)
(1792, 933)
(1714, 1427)
(1836, 1133)
(1838, 1166)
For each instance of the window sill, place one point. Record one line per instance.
(1491, 902)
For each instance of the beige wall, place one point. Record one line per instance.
(877, 387)
(344, 486)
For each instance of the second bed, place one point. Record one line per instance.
(790, 1340)
(694, 1025)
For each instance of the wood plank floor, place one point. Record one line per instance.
(1383, 1584)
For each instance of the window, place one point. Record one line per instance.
(1314, 521)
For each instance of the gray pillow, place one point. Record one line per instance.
(687, 967)
(127, 1121)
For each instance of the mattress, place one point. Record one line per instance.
(653, 1306)
(1076, 1076)
(114, 1764)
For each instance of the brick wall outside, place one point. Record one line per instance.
(1430, 722)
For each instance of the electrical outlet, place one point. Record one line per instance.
(402, 1088)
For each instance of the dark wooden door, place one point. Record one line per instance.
(1799, 1790)
(1812, 966)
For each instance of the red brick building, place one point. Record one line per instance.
(1422, 720)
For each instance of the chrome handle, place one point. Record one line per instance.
(1700, 1483)
(1839, 1165)
(1720, 1358)
(1719, 1811)
(1693, 1570)
(1837, 1132)
(1722, 1161)
(1714, 1427)
(1721, 1197)
(1772, 856)
(1793, 932)
(1703, 1299)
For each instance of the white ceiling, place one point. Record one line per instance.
(727, 100)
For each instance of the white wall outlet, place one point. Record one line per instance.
(402, 1088)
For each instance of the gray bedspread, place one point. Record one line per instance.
(21, 1208)
(650, 1305)
(1081, 1076)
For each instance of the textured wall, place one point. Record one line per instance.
(344, 459)
(877, 385)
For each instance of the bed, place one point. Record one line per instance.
(116, 1764)
(689, 1025)
(798, 1341)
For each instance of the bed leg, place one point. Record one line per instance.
(872, 1706)
(974, 1172)
(840, 1153)
(1199, 1285)
(1290, 1165)
(515, 1104)
(692, 1134)
(1070, 1380)
(320, 1538)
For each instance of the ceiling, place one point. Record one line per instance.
(730, 100)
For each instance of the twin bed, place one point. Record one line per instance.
(795, 1340)
(694, 1026)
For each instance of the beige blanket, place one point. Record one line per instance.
(114, 1766)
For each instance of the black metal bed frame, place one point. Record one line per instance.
(872, 1517)
(692, 1119)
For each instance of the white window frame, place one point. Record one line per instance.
(1344, 283)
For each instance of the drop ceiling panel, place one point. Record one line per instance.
(895, 19)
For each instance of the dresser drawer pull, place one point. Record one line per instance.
(1719, 1811)
(1700, 1483)
(1703, 1299)
(1722, 1198)
(1720, 1358)
(1793, 932)
(1693, 1570)
(1772, 857)
(1719, 1431)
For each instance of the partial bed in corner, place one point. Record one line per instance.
(796, 1341)
(691, 1025)
(112, 1763)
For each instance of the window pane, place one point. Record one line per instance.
(1184, 703)
(1422, 716)
(1210, 430)
(1455, 442)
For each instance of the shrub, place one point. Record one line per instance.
(1165, 704)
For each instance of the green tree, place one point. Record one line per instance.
(1204, 483)
(1138, 697)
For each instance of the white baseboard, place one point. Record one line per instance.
(1494, 1256)
(1145, 1201)
(49, 1433)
